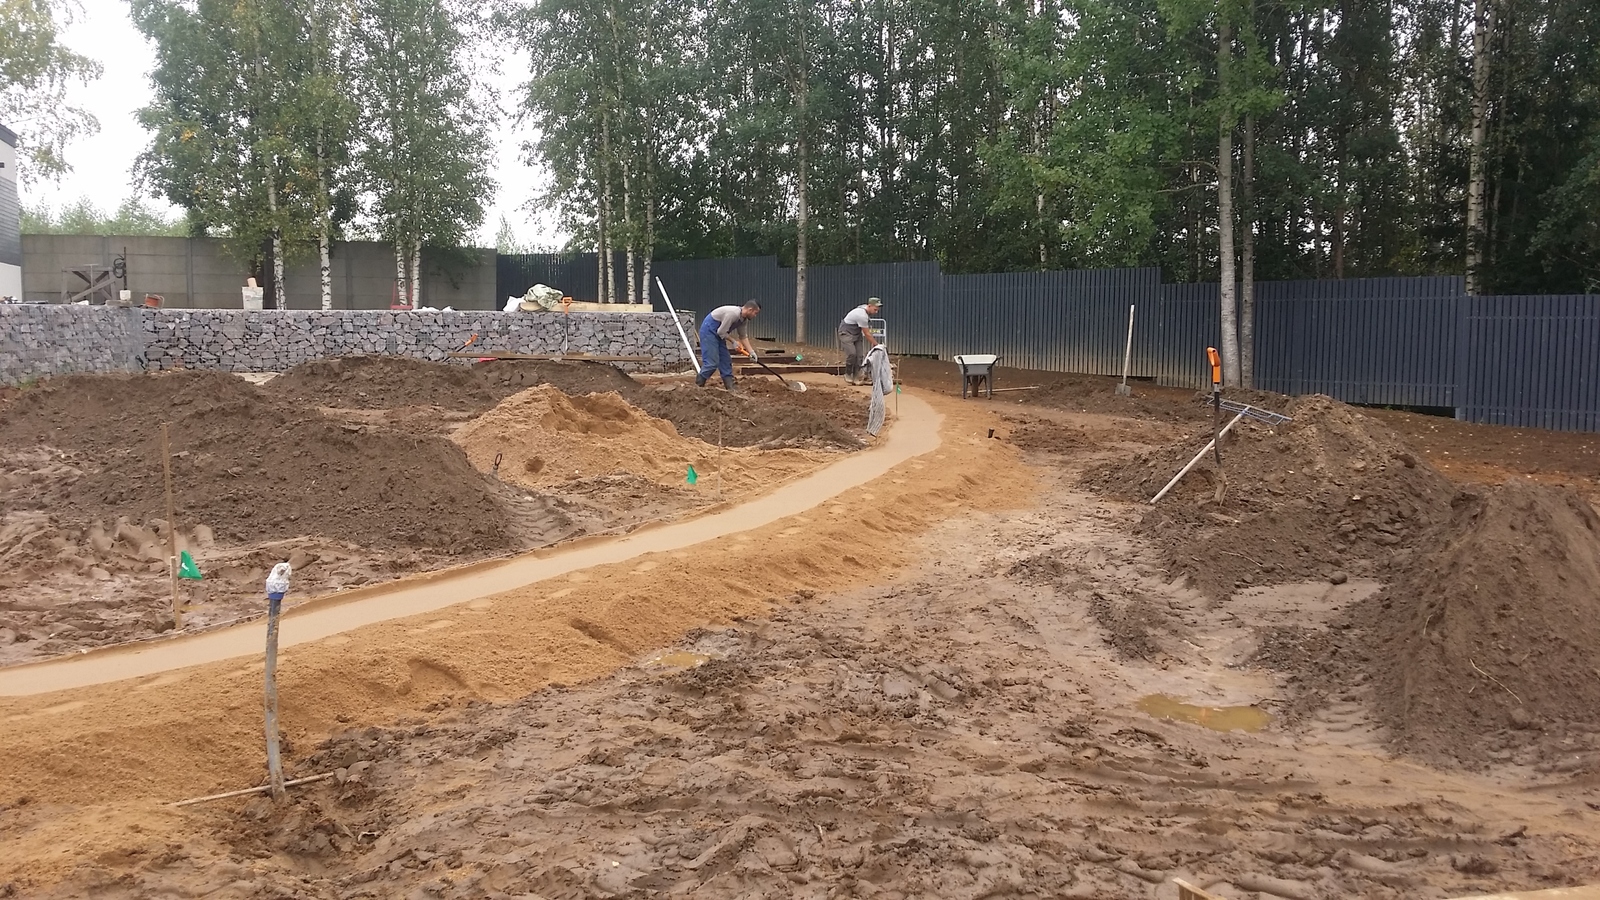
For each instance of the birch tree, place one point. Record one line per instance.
(423, 157)
(224, 123)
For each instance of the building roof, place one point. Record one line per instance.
(9, 136)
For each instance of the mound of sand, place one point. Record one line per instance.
(1332, 491)
(249, 466)
(1494, 637)
(545, 438)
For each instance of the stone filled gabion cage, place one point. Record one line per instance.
(38, 341)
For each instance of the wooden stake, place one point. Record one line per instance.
(274, 762)
(252, 790)
(172, 529)
(721, 457)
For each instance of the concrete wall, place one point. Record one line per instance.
(10, 218)
(196, 273)
(42, 340)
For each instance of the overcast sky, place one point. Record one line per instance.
(102, 164)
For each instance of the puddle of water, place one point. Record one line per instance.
(1216, 718)
(676, 659)
(915, 433)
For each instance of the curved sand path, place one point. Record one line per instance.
(915, 432)
(87, 771)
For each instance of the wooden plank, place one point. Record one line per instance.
(552, 357)
(1187, 891)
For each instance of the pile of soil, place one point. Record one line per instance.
(250, 466)
(1487, 649)
(544, 438)
(767, 416)
(1331, 493)
(386, 382)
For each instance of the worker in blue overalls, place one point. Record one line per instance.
(724, 325)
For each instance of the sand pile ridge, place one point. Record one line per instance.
(544, 438)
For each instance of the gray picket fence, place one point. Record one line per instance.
(1526, 361)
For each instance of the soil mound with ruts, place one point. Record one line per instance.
(1332, 491)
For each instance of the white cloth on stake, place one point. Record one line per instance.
(882, 386)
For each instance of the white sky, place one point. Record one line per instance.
(102, 164)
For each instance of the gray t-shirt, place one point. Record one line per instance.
(729, 319)
(854, 321)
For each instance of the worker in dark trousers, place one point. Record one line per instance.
(855, 337)
(722, 326)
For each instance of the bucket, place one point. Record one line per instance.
(154, 301)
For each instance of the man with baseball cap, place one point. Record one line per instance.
(855, 337)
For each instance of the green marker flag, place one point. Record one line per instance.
(187, 568)
(693, 477)
(897, 388)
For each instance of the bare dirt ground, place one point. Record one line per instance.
(351, 471)
(988, 674)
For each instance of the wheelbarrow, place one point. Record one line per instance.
(977, 372)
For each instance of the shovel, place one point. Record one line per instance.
(1215, 359)
(795, 386)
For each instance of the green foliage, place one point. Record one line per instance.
(1007, 135)
(35, 73)
(422, 159)
(131, 219)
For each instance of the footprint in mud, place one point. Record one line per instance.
(579, 577)
(646, 566)
(159, 681)
(431, 678)
(559, 594)
(337, 640)
(482, 604)
(439, 625)
(56, 710)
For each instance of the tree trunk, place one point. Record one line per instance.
(400, 293)
(802, 243)
(324, 225)
(608, 293)
(1228, 287)
(1247, 273)
(416, 276)
(629, 261)
(327, 267)
(1482, 28)
(648, 250)
(278, 300)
